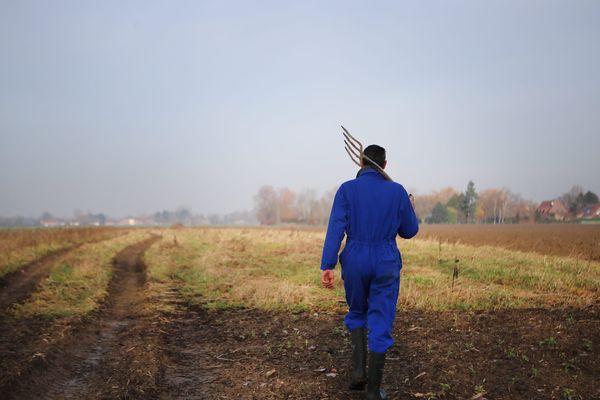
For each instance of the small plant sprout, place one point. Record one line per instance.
(480, 389)
(587, 345)
(444, 388)
(551, 341)
(567, 394)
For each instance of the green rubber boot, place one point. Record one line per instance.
(376, 363)
(359, 359)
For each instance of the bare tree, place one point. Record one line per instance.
(287, 206)
(266, 205)
(303, 204)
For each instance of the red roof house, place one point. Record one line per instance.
(552, 209)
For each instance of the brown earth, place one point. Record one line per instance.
(581, 241)
(43, 359)
(129, 350)
(247, 354)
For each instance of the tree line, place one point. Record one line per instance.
(490, 206)
(284, 206)
(446, 206)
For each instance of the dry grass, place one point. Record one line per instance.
(79, 280)
(491, 277)
(262, 268)
(21, 246)
(280, 269)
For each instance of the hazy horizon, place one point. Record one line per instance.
(133, 107)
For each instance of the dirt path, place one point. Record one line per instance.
(18, 336)
(111, 355)
(18, 285)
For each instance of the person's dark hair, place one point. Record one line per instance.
(375, 153)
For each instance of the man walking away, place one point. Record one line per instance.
(371, 211)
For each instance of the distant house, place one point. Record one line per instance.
(589, 212)
(127, 222)
(552, 210)
(51, 223)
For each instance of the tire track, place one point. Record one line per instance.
(189, 367)
(18, 336)
(17, 286)
(108, 355)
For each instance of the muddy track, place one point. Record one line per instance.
(18, 285)
(108, 355)
(188, 365)
(19, 335)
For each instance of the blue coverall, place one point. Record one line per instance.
(371, 211)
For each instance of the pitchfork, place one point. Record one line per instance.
(354, 148)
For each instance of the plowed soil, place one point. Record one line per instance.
(129, 350)
(581, 241)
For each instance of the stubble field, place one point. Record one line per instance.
(239, 314)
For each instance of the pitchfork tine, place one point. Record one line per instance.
(357, 155)
(352, 157)
(355, 143)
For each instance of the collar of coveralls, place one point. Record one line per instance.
(367, 170)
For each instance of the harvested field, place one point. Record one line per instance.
(239, 314)
(19, 247)
(578, 241)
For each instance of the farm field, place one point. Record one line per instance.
(239, 314)
(580, 241)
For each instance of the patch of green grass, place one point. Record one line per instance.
(421, 281)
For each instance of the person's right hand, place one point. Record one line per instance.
(327, 278)
(412, 200)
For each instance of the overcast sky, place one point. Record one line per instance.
(127, 107)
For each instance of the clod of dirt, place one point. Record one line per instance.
(270, 373)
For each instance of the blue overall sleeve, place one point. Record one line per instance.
(409, 225)
(335, 230)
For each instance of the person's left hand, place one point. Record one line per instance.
(327, 278)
